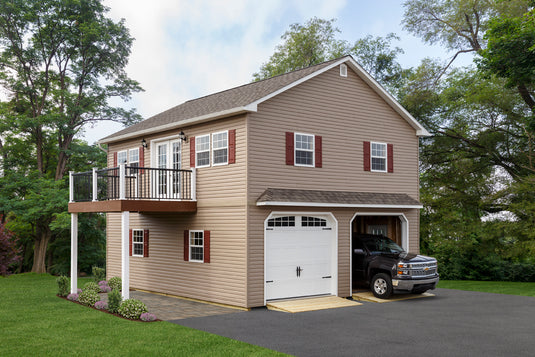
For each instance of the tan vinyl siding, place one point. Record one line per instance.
(221, 209)
(345, 112)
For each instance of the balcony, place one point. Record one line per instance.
(132, 188)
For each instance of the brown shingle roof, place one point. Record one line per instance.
(221, 101)
(281, 196)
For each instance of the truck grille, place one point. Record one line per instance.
(422, 270)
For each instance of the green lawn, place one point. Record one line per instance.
(499, 287)
(35, 322)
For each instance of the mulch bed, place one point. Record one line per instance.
(104, 310)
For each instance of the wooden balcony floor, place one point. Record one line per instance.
(133, 206)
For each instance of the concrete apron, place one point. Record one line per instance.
(366, 295)
(310, 304)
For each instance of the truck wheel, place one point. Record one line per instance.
(381, 286)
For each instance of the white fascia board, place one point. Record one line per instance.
(341, 205)
(174, 125)
(420, 130)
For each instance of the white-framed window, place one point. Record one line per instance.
(378, 157)
(202, 151)
(343, 70)
(304, 150)
(137, 242)
(220, 148)
(196, 246)
(122, 157)
(133, 157)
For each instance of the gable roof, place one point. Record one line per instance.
(314, 198)
(246, 98)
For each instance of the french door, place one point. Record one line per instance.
(168, 158)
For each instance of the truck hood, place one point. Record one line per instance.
(414, 258)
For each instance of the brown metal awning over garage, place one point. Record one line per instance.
(313, 198)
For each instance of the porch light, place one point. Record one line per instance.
(183, 136)
(144, 143)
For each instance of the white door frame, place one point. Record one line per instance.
(334, 258)
(404, 236)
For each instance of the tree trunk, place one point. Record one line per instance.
(40, 247)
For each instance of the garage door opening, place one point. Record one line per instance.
(300, 255)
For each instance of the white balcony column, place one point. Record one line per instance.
(193, 184)
(125, 253)
(95, 186)
(74, 253)
(122, 182)
(71, 187)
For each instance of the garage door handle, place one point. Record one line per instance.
(326, 277)
(269, 281)
(298, 271)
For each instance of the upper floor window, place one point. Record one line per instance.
(220, 148)
(202, 150)
(378, 157)
(133, 157)
(122, 157)
(304, 150)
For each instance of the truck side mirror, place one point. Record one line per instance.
(358, 251)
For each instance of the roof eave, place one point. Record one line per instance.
(181, 123)
(342, 205)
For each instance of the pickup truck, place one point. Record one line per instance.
(386, 268)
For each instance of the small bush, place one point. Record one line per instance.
(115, 283)
(63, 285)
(132, 309)
(79, 291)
(101, 305)
(72, 297)
(114, 300)
(147, 316)
(9, 251)
(99, 274)
(102, 282)
(105, 289)
(88, 297)
(92, 287)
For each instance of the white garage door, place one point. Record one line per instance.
(299, 256)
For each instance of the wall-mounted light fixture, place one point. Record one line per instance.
(183, 136)
(144, 143)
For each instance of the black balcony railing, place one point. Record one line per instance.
(133, 183)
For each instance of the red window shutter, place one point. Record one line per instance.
(289, 148)
(192, 151)
(367, 165)
(390, 157)
(318, 151)
(115, 159)
(186, 245)
(207, 246)
(146, 243)
(232, 146)
(141, 157)
(130, 234)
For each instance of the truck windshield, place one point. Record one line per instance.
(382, 245)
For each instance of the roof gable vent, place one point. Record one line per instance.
(343, 70)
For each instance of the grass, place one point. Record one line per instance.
(35, 322)
(498, 287)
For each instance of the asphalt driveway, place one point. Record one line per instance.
(453, 323)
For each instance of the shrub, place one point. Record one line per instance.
(79, 291)
(147, 316)
(102, 282)
(72, 297)
(92, 287)
(114, 300)
(132, 309)
(115, 283)
(99, 274)
(9, 253)
(105, 289)
(63, 285)
(88, 297)
(101, 305)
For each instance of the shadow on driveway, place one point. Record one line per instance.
(453, 323)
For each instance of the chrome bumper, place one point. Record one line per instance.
(408, 285)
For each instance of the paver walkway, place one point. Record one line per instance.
(173, 308)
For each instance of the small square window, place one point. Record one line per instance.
(378, 157)
(304, 150)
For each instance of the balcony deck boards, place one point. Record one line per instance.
(133, 206)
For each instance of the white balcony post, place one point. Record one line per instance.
(125, 254)
(193, 184)
(122, 182)
(74, 253)
(95, 186)
(71, 187)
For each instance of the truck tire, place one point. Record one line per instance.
(381, 286)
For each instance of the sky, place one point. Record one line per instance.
(185, 49)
